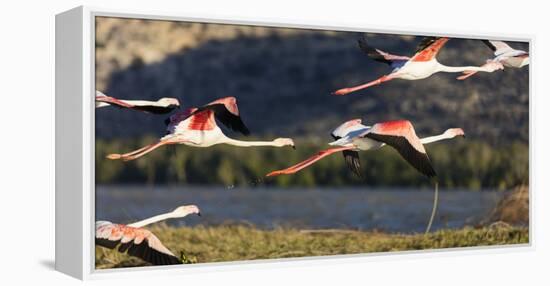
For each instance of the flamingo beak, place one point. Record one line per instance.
(199, 214)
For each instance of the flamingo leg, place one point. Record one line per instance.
(295, 168)
(346, 90)
(140, 152)
(466, 75)
(116, 156)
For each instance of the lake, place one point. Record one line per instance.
(392, 210)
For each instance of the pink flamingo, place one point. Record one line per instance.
(140, 242)
(197, 127)
(422, 65)
(352, 136)
(161, 106)
(504, 54)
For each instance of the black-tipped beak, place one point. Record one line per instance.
(294, 147)
(199, 214)
(463, 135)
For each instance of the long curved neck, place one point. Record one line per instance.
(151, 220)
(444, 68)
(240, 143)
(431, 139)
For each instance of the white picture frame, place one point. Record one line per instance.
(75, 129)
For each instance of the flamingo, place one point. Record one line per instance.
(140, 242)
(420, 66)
(504, 54)
(161, 106)
(197, 127)
(352, 136)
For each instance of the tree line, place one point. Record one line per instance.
(467, 164)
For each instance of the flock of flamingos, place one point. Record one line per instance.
(197, 127)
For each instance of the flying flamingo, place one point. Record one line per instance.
(352, 136)
(422, 64)
(504, 54)
(197, 127)
(140, 242)
(161, 106)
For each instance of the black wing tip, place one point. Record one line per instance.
(491, 46)
(245, 132)
(426, 42)
(353, 162)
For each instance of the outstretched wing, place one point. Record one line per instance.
(101, 97)
(353, 162)
(498, 47)
(227, 112)
(401, 136)
(379, 55)
(428, 48)
(155, 109)
(136, 242)
(140, 105)
(295, 168)
(351, 157)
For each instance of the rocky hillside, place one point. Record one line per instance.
(282, 79)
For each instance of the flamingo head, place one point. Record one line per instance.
(169, 101)
(281, 142)
(187, 210)
(454, 132)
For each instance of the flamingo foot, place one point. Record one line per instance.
(114, 156)
(277, 173)
(342, 91)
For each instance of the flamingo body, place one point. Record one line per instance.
(197, 127)
(352, 136)
(135, 241)
(420, 66)
(139, 242)
(161, 106)
(505, 55)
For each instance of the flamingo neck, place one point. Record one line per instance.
(240, 143)
(431, 139)
(444, 68)
(151, 220)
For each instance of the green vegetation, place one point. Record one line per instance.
(460, 164)
(237, 242)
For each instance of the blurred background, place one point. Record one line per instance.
(282, 79)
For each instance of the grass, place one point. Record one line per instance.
(239, 242)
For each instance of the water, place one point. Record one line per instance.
(389, 210)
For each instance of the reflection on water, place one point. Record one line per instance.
(390, 210)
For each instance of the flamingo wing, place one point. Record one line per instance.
(401, 136)
(101, 97)
(136, 242)
(145, 106)
(351, 157)
(295, 168)
(227, 118)
(353, 162)
(154, 108)
(498, 47)
(190, 119)
(428, 48)
(381, 56)
(227, 112)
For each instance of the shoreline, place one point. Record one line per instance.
(244, 242)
